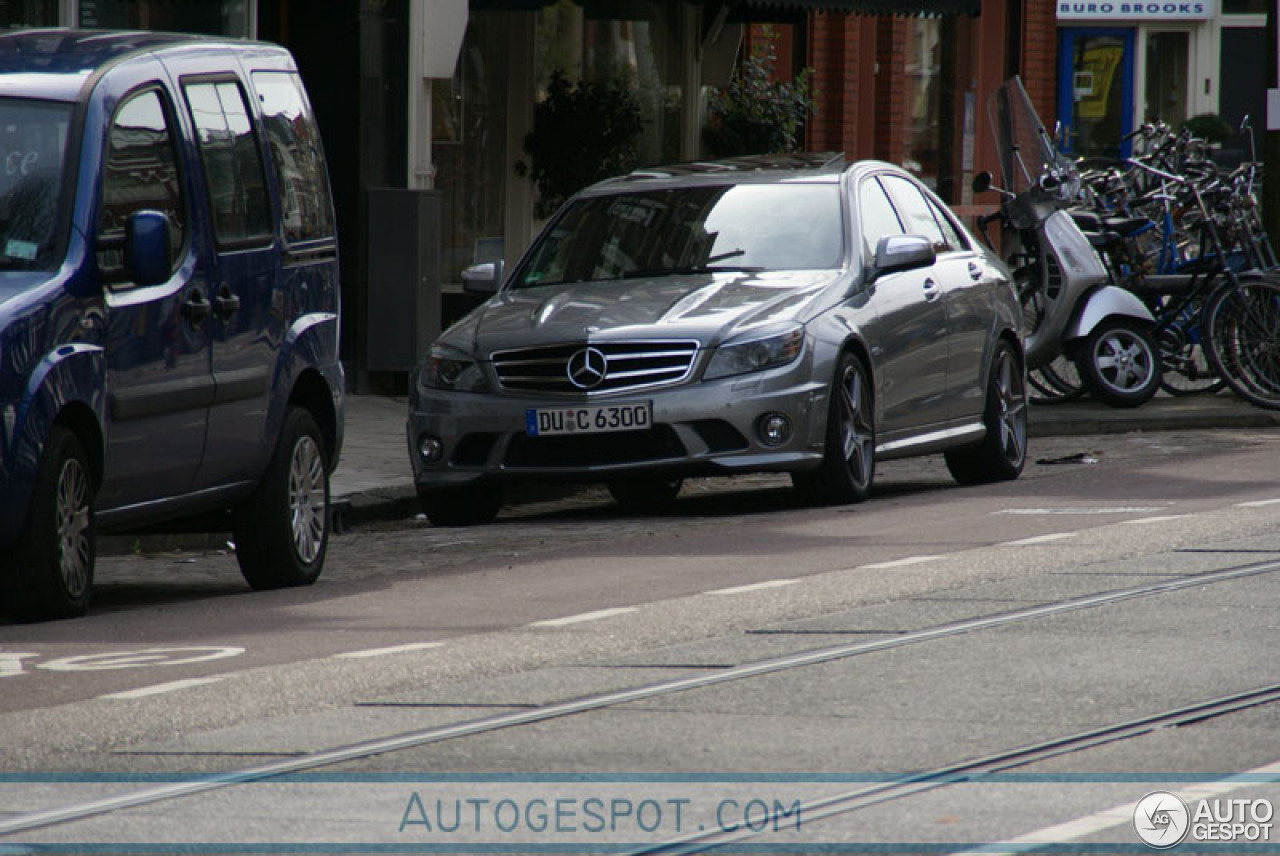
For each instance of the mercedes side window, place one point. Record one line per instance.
(954, 237)
(232, 168)
(294, 142)
(916, 212)
(140, 173)
(876, 216)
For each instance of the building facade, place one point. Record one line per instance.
(425, 104)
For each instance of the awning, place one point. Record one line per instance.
(772, 10)
(909, 8)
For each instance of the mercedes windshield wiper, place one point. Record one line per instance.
(676, 271)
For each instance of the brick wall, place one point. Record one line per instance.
(1040, 57)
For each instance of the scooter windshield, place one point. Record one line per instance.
(1025, 148)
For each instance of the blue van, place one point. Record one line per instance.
(169, 307)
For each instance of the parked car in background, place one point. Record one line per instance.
(168, 307)
(797, 314)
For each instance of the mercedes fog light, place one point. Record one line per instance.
(430, 448)
(774, 428)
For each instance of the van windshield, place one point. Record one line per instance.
(33, 147)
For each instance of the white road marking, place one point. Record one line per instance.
(1120, 815)
(901, 563)
(11, 663)
(160, 689)
(586, 616)
(1101, 510)
(1261, 503)
(771, 584)
(1038, 539)
(136, 659)
(393, 649)
(1160, 519)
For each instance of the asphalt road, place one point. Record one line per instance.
(181, 673)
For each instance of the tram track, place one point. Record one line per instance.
(832, 805)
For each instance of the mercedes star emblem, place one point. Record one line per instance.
(587, 368)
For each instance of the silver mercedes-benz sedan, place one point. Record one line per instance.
(797, 314)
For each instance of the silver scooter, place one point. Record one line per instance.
(1070, 306)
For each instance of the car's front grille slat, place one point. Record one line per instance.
(617, 367)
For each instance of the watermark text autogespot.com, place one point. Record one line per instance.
(571, 815)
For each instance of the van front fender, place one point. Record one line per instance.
(66, 384)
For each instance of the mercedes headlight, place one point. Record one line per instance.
(756, 351)
(448, 369)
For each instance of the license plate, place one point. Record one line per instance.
(595, 419)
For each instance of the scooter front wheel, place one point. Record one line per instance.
(1119, 362)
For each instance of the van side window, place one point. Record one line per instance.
(232, 169)
(294, 142)
(141, 172)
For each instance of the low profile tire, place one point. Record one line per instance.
(1120, 363)
(849, 453)
(282, 531)
(1003, 451)
(50, 570)
(461, 506)
(645, 491)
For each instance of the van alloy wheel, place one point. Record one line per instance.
(74, 533)
(307, 498)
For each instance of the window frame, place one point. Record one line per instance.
(255, 240)
(113, 241)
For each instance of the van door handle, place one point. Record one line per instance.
(195, 308)
(226, 304)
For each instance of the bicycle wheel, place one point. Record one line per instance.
(1241, 323)
(1187, 369)
(1056, 383)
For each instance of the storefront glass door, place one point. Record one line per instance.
(1095, 91)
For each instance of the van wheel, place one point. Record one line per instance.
(51, 568)
(282, 531)
(849, 453)
(461, 506)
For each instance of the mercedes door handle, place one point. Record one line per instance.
(931, 290)
(975, 272)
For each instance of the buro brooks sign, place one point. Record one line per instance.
(1154, 10)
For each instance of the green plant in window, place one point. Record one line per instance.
(757, 113)
(582, 133)
(1209, 127)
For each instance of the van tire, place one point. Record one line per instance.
(50, 570)
(282, 530)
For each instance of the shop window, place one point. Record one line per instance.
(468, 149)
(212, 17)
(29, 13)
(1167, 77)
(627, 48)
(923, 71)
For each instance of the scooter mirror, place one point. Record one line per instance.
(982, 182)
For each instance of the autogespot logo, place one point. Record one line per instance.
(1161, 819)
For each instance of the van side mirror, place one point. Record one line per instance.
(483, 279)
(147, 248)
(896, 253)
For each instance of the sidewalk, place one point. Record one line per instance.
(374, 482)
